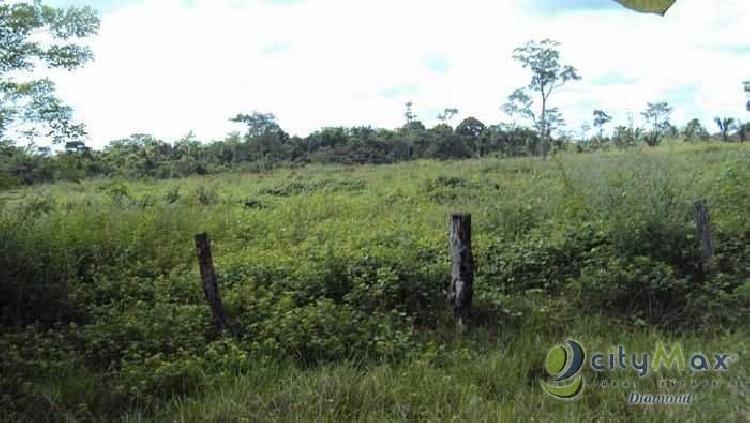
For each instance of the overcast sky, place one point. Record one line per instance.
(170, 66)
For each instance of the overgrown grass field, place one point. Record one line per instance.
(337, 278)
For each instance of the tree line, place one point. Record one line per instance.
(264, 145)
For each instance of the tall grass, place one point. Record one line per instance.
(337, 276)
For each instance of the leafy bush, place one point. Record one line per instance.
(324, 331)
(639, 289)
(540, 261)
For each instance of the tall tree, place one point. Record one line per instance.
(257, 123)
(725, 126)
(693, 130)
(519, 104)
(555, 122)
(601, 118)
(262, 131)
(543, 60)
(585, 128)
(409, 114)
(743, 129)
(187, 146)
(473, 129)
(657, 115)
(470, 127)
(35, 37)
(447, 115)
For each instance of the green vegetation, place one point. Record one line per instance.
(337, 277)
(265, 146)
(543, 60)
(34, 36)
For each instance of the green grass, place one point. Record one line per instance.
(337, 275)
(501, 383)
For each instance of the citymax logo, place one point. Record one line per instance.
(645, 362)
(564, 363)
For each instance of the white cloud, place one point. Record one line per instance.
(166, 68)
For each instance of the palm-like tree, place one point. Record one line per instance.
(725, 125)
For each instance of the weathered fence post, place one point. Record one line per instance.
(462, 274)
(703, 230)
(209, 283)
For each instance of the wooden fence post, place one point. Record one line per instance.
(462, 273)
(209, 283)
(703, 231)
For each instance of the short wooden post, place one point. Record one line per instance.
(703, 231)
(462, 274)
(209, 283)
